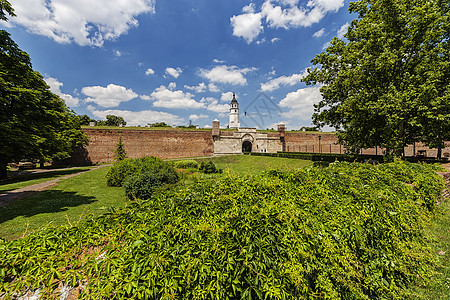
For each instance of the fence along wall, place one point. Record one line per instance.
(309, 142)
(140, 143)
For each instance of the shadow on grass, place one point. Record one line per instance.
(28, 175)
(46, 202)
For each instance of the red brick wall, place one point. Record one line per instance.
(140, 143)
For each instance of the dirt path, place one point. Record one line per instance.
(14, 195)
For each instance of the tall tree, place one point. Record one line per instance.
(387, 84)
(34, 123)
(112, 120)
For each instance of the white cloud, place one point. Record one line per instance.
(342, 30)
(217, 61)
(300, 103)
(226, 74)
(134, 118)
(149, 71)
(284, 14)
(167, 98)
(274, 40)
(207, 126)
(55, 87)
(282, 80)
(83, 22)
(213, 88)
(247, 26)
(212, 104)
(319, 33)
(117, 53)
(145, 97)
(198, 89)
(195, 117)
(226, 97)
(174, 72)
(172, 85)
(109, 96)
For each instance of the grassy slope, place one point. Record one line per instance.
(69, 201)
(30, 179)
(247, 164)
(438, 233)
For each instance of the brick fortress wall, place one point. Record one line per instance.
(184, 143)
(141, 143)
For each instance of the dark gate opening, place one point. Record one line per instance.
(246, 146)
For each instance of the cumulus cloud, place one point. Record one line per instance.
(80, 21)
(198, 88)
(149, 71)
(195, 117)
(218, 61)
(319, 33)
(212, 104)
(109, 96)
(284, 14)
(226, 97)
(134, 118)
(282, 80)
(226, 74)
(172, 85)
(300, 103)
(213, 88)
(247, 26)
(55, 88)
(175, 73)
(167, 98)
(342, 30)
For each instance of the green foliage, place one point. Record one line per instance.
(349, 231)
(142, 186)
(35, 123)
(387, 83)
(160, 124)
(85, 120)
(209, 168)
(121, 170)
(120, 153)
(6, 8)
(186, 164)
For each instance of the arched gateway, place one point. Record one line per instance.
(247, 146)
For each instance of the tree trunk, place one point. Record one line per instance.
(439, 152)
(3, 168)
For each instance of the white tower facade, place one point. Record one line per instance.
(234, 113)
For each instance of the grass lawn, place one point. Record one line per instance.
(438, 234)
(70, 201)
(21, 181)
(247, 164)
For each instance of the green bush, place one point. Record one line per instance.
(186, 164)
(143, 185)
(121, 170)
(209, 168)
(348, 231)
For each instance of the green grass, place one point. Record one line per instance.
(438, 233)
(70, 201)
(247, 164)
(21, 181)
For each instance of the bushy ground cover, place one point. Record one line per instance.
(350, 231)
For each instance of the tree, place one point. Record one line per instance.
(34, 123)
(112, 120)
(388, 84)
(119, 152)
(85, 120)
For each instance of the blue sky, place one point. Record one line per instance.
(177, 61)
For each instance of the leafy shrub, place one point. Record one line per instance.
(143, 185)
(186, 164)
(209, 168)
(121, 170)
(349, 231)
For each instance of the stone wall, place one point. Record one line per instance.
(183, 143)
(140, 143)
